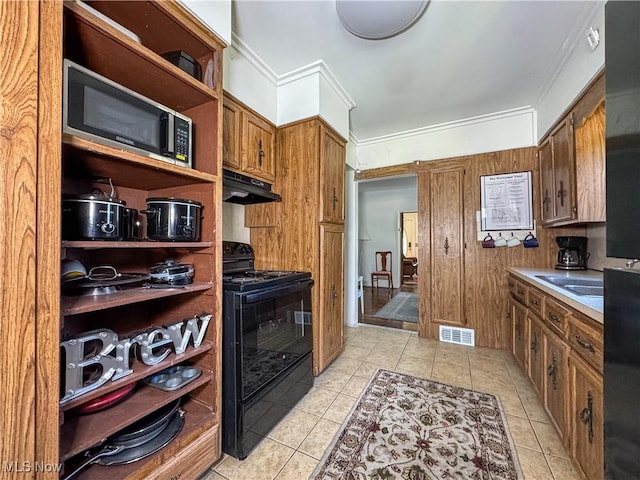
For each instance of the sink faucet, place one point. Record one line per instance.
(631, 263)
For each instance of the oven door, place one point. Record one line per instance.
(275, 333)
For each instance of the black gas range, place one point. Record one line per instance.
(249, 280)
(266, 347)
(238, 274)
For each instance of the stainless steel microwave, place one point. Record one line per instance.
(105, 112)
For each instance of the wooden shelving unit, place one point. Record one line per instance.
(95, 44)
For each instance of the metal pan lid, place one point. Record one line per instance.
(173, 200)
(95, 197)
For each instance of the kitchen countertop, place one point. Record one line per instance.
(591, 306)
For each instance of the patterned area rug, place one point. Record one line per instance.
(410, 428)
(404, 306)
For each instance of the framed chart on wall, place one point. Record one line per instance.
(506, 202)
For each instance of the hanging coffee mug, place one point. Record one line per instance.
(500, 241)
(530, 241)
(513, 241)
(488, 242)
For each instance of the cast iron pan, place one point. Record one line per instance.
(143, 438)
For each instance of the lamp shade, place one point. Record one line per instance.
(379, 19)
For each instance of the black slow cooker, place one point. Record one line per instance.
(94, 216)
(172, 219)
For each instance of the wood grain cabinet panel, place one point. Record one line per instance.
(585, 338)
(447, 247)
(563, 359)
(248, 141)
(587, 423)
(519, 334)
(231, 139)
(572, 162)
(307, 233)
(332, 177)
(556, 390)
(557, 173)
(535, 367)
(258, 147)
(331, 334)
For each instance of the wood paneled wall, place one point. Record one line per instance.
(485, 276)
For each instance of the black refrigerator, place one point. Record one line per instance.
(622, 285)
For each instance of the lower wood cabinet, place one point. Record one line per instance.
(587, 424)
(519, 333)
(556, 354)
(190, 463)
(561, 351)
(536, 355)
(330, 338)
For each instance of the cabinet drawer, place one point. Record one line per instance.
(518, 290)
(191, 462)
(555, 315)
(511, 282)
(587, 342)
(536, 301)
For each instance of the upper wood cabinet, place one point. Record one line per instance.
(572, 163)
(231, 139)
(557, 169)
(332, 152)
(248, 141)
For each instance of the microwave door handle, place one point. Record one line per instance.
(277, 292)
(167, 140)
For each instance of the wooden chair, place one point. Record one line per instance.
(382, 260)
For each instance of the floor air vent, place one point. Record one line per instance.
(461, 336)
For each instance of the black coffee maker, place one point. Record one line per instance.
(572, 254)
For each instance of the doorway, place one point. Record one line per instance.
(382, 203)
(408, 248)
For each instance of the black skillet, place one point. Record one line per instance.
(143, 438)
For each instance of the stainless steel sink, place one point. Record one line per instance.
(591, 287)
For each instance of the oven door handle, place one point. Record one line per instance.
(277, 292)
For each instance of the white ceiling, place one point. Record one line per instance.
(460, 60)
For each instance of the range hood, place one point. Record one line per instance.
(244, 190)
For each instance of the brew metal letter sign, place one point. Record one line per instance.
(113, 356)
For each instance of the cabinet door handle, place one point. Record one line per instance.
(561, 193)
(534, 302)
(552, 371)
(553, 317)
(586, 415)
(534, 346)
(446, 245)
(585, 345)
(335, 199)
(546, 201)
(334, 294)
(260, 153)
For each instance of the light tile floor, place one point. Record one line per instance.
(292, 450)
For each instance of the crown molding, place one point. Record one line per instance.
(253, 58)
(318, 68)
(451, 125)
